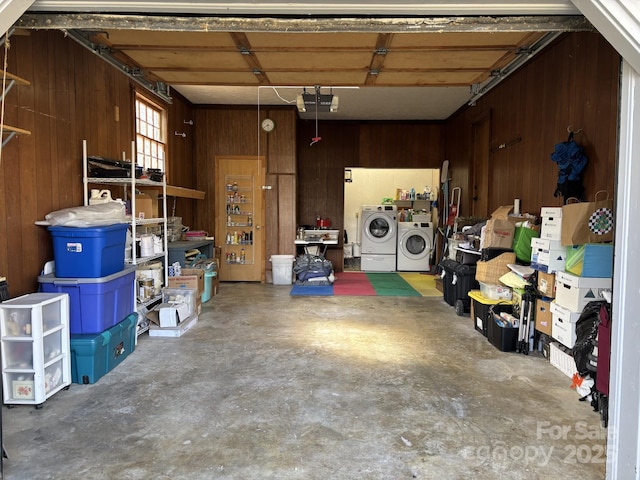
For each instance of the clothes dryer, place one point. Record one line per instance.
(415, 244)
(379, 238)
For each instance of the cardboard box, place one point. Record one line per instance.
(190, 278)
(547, 284)
(547, 255)
(171, 314)
(551, 223)
(500, 228)
(544, 318)
(147, 204)
(563, 326)
(175, 332)
(573, 292)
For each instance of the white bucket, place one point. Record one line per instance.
(146, 245)
(282, 268)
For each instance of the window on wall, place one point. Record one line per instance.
(150, 134)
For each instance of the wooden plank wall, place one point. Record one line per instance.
(351, 144)
(572, 83)
(224, 130)
(74, 95)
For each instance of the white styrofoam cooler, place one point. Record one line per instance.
(547, 256)
(573, 292)
(563, 324)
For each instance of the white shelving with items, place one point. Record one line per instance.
(34, 331)
(132, 183)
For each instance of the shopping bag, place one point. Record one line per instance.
(587, 222)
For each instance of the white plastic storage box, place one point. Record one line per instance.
(547, 256)
(189, 296)
(563, 324)
(282, 269)
(95, 304)
(562, 359)
(88, 252)
(573, 292)
(495, 292)
(551, 228)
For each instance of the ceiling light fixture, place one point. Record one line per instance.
(317, 102)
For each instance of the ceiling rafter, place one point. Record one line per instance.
(244, 48)
(377, 59)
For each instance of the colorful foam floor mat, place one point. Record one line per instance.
(395, 284)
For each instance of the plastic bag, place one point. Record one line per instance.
(89, 216)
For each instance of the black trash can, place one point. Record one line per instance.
(465, 281)
(448, 267)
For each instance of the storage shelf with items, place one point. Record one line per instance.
(34, 331)
(239, 249)
(148, 227)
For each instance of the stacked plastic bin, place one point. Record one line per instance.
(89, 267)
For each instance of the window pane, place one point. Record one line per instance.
(150, 135)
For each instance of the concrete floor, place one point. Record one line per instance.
(269, 386)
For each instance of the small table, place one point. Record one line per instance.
(321, 244)
(178, 250)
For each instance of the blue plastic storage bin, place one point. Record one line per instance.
(93, 356)
(95, 304)
(88, 252)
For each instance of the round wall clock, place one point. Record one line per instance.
(268, 125)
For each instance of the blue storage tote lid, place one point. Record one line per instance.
(95, 304)
(88, 252)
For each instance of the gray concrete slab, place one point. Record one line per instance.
(270, 386)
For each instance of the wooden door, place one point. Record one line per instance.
(240, 217)
(480, 194)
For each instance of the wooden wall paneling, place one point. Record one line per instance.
(180, 166)
(401, 145)
(537, 103)
(286, 213)
(279, 145)
(21, 186)
(271, 220)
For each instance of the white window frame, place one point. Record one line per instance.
(151, 133)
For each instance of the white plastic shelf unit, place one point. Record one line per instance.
(34, 331)
(135, 183)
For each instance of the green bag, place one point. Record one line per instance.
(522, 242)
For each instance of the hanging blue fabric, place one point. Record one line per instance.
(571, 161)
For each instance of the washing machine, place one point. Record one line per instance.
(415, 243)
(379, 238)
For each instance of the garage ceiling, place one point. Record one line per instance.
(380, 68)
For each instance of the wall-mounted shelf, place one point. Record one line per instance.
(8, 130)
(185, 192)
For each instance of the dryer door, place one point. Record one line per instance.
(415, 245)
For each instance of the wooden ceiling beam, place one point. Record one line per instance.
(378, 57)
(170, 23)
(244, 48)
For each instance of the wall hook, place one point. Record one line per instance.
(570, 130)
(188, 122)
(180, 134)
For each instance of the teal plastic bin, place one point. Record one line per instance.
(93, 356)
